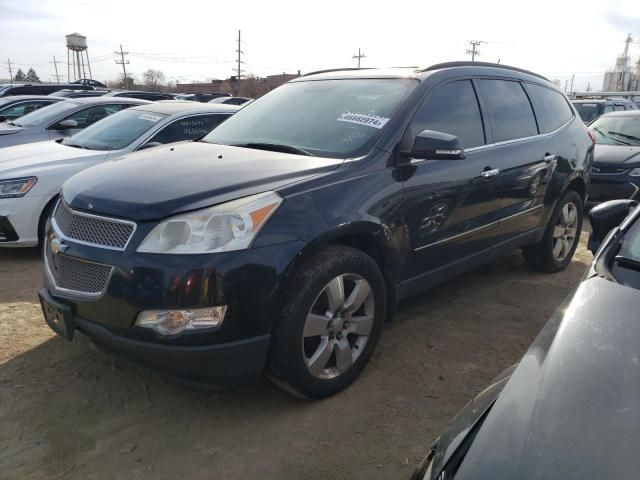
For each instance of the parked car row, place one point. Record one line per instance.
(590, 109)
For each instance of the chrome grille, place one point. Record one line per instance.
(608, 170)
(100, 231)
(77, 275)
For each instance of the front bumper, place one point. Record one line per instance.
(249, 282)
(613, 187)
(19, 218)
(214, 365)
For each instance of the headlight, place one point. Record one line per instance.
(223, 228)
(635, 172)
(17, 187)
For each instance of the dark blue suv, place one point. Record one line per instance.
(283, 240)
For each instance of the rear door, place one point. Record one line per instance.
(523, 152)
(450, 206)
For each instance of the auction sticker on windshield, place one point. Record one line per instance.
(363, 119)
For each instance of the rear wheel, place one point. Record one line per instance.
(554, 252)
(330, 322)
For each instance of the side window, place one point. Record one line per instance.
(452, 108)
(618, 108)
(552, 109)
(188, 128)
(91, 115)
(509, 108)
(20, 109)
(608, 108)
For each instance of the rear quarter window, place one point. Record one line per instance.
(552, 109)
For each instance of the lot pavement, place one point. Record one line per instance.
(67, 411)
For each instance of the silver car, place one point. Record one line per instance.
(61, 119)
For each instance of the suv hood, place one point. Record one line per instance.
(571, 409)
(611, 155)
(163, 181)
(33, 158)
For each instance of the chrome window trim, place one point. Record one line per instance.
(478, 229)
(518, 140)
(75, 293)
(62, 236)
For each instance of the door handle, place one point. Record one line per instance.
(489, 173)
(548, 158)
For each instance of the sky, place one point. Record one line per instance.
(197, 41)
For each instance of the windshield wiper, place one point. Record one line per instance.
(275, 147)
(628, 262)
(610, 137)
(624, 135)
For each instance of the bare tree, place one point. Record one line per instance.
(153, 79)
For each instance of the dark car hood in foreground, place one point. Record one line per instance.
(611, 155)
(161, 181)
(571, 409)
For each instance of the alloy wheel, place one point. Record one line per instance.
(338, 326)
(564, 233)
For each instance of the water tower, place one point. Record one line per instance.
(77, 57)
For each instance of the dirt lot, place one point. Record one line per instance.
(67, 411)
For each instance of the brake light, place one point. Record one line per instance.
(592, 136)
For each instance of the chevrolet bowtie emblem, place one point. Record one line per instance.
(57, 246)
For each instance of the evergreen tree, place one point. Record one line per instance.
(32, 76)
(20, 76)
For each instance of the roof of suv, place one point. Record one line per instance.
(408, 72)
(173, 107)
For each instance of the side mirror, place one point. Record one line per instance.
(437, 146)
(150, 145)
(605, 217)
(66, 124)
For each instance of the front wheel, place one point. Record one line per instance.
(330, 322)
(554, 252)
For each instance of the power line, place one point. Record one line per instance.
(360, 56)
(473, 51)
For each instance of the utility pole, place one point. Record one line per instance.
(588, 86)
(360, 56)
(565, 85)
(122, 62)
(240, 53)
(55, 64)
(10, 70)
(473, 51)
(572, 78)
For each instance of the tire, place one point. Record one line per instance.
(320, 343)
(553, 253)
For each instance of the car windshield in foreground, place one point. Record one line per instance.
(331, 118)
(587, 111)
(45, 114)
(115, 132)
(617, 130)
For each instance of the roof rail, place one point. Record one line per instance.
(439, 66)
(346, 69)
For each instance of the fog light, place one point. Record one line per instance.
(172, 322)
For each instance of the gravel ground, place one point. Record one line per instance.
(68, 411)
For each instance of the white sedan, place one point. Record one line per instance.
(31, 175)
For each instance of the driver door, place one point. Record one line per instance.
(450, 207)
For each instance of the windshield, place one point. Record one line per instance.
(332, 118)
(116, 131)
(587, 111)
(45, 114)
(617, 130)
